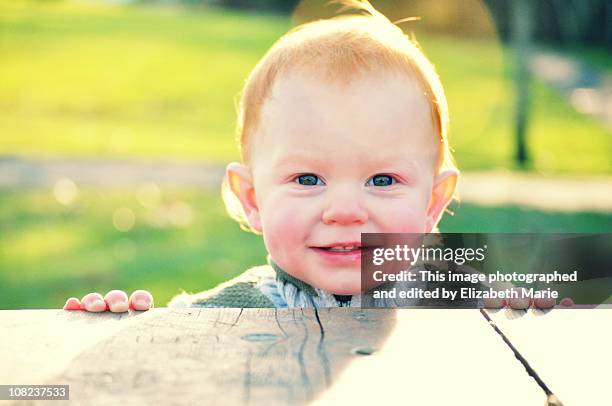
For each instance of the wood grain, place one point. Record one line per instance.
(570, 349)
(265, 356)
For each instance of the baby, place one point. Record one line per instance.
(343, 131)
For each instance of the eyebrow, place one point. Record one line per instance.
(394, 160)
(298, 160)
(294, 159)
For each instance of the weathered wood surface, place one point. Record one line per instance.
(570, 349)
(289, 356)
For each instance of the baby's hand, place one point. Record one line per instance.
(526, 303)
(116, 301)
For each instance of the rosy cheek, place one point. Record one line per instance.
(281, 229)
(408, 225)
(405, 220)
(285, 242)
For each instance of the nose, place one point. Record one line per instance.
(344, 209)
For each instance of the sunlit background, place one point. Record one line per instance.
(117, 117)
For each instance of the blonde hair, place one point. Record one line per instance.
(338, 47)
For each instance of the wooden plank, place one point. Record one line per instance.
(436, 357)
(269, 356)
(249, 356)
(38, 344)
(570, 349)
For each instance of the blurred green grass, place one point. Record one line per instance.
(93, 80)
(107, 81)
(80, 79)
(50, 252)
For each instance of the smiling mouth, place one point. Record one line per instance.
(350, 248)
(346, 248)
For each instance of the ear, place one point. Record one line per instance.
(240, 181)
(442, 193)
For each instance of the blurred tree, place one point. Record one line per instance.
(280, 6)
(569, 22)
(522, 23)
(562, 22)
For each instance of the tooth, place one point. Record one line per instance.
(343, 249)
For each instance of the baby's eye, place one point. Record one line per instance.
(309, 180)
(381, 180)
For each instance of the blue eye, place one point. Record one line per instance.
(381, 180)
(309, 180)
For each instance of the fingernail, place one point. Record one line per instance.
(97, 305)
(119, 306)
(520, 304)
(67, 305)
(141, 304)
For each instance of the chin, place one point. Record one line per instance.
(345, 283)
(344, 289)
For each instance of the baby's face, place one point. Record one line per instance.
(330, 161)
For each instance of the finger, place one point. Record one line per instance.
(117, 301)
(545, 303)
(93, 302)
(73, 304)
(494, 303)
(519, 303)
(567, 302)
(141, 300)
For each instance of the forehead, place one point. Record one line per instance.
(357, 117)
